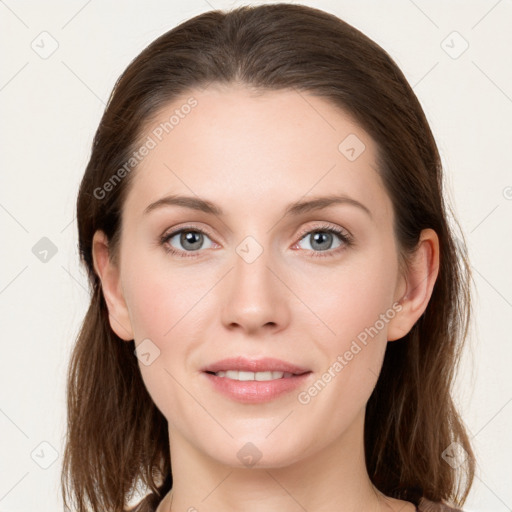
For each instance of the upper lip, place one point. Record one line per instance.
(254, 365)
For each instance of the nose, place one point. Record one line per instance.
(255, 296)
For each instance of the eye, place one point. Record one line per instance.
(191, 240)
(321, 239)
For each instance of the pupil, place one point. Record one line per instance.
(191, 239)
(319, 237)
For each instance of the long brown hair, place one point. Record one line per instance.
(117, 439)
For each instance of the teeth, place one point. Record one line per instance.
(265, 376)
(260, 376)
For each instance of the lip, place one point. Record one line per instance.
(254, 365)
(254, 391)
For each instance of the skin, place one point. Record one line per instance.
(252, 155)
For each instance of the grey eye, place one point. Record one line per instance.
(190, 240)
(321, 240)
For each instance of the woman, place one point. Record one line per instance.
(229, 360)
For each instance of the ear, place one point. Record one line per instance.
(109, 275)
(419, 280)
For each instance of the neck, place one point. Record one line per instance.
(333, 479)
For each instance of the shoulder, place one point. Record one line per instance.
(434, 506)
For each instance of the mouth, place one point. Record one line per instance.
(254, 381)
(245, 376)
(242, 368)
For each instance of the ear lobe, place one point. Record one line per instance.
(109, 276)
(420, 279)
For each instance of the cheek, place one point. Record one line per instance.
(357, 307)
(161, 297)
(350, 298)
(163, 303)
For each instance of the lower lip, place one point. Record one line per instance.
(254, 391)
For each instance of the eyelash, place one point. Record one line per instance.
(344, 236)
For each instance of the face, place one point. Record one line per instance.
(308, 292)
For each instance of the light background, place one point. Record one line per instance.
(50, 108)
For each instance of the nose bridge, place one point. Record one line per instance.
(251, 275)
(256, 297)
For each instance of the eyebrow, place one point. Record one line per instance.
(297, 208)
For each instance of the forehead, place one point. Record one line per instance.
(252, 150)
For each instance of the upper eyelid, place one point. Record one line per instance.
(171, 232)
(326, 226)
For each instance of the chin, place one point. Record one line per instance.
(258, 452)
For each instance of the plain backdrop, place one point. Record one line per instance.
(60, 61)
